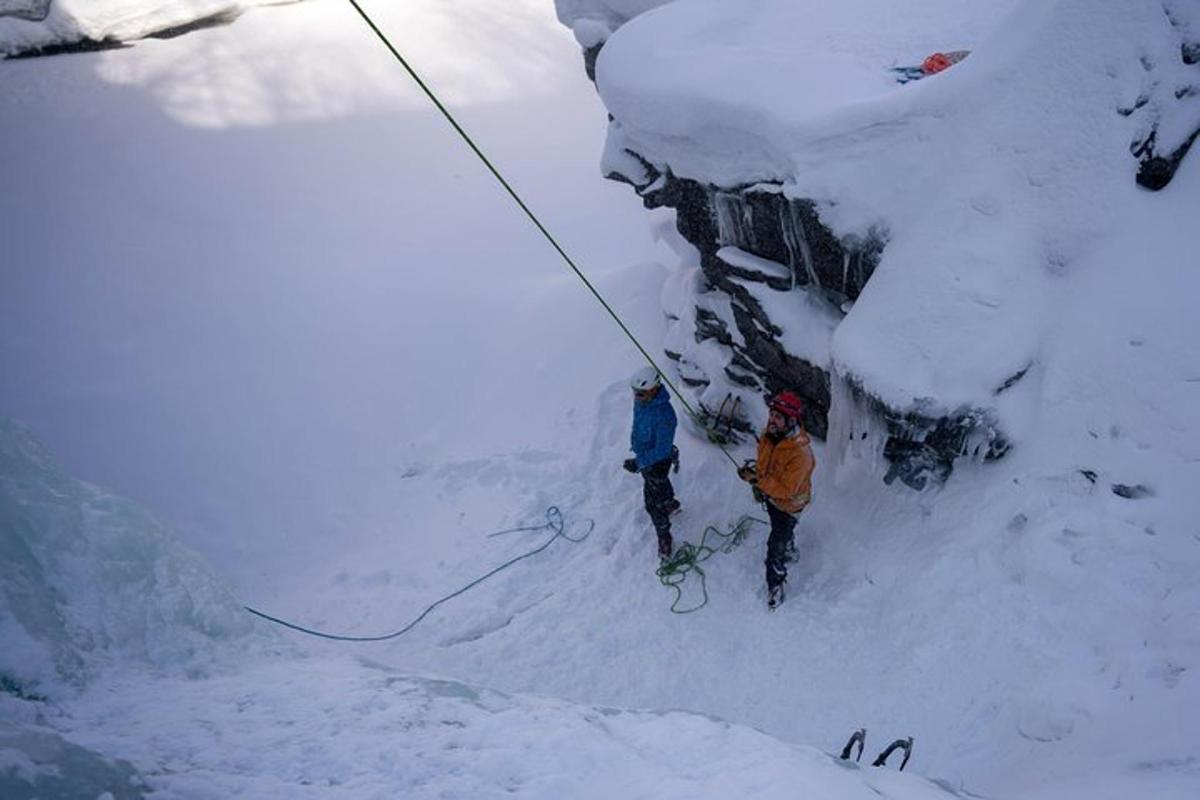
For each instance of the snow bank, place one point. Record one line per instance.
(38, 24)
(89, 579)
(366, 731)
(594, 20)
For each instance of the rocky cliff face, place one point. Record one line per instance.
(759, 249)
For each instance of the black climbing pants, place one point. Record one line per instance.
(659, 495)
(783, 530)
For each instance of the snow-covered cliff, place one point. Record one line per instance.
(935, 230)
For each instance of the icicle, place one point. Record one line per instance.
(856, 433)
(747, 229)
(731, 224)
(796, 239)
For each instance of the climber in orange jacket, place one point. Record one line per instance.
(782, 476)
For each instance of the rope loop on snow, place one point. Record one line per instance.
(687, 559)
(554, 522)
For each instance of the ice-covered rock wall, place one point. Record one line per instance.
(89, 580)
(799, 167)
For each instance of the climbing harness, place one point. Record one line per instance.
(859, 737)
(674, 571)
(554, 522)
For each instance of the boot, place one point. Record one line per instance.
(774, 597)
(664, 547)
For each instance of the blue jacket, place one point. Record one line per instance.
(653, 432)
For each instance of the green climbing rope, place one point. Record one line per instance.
(533, 218)
(687, 559)
(554, 522)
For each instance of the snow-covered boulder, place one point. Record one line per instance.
(90, 580)
(939, 221)
(39, 25)
(593, 21)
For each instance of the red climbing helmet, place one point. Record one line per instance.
(787, 403)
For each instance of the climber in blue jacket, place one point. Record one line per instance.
(652, 440)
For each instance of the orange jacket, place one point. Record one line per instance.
(785, 471)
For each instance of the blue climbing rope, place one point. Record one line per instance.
(554, 522)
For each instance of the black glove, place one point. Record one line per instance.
(630, 465)
(675, 459)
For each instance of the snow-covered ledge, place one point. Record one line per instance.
(35, 26)
(933, 221)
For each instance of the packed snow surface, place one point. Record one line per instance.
(257, 285)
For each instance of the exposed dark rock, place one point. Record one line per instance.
(1012, 380)
(1155, 171)
(18, 690)
(1167, 96)
(761, 220)
(710, 326)
(81, 46)
(590, 54)
(212, 21)
(923, 447)
(1135, 492)
(32, 10)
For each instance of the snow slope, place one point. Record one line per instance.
(340, 727)
(341, 427)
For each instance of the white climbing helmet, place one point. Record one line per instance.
(645, 379)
